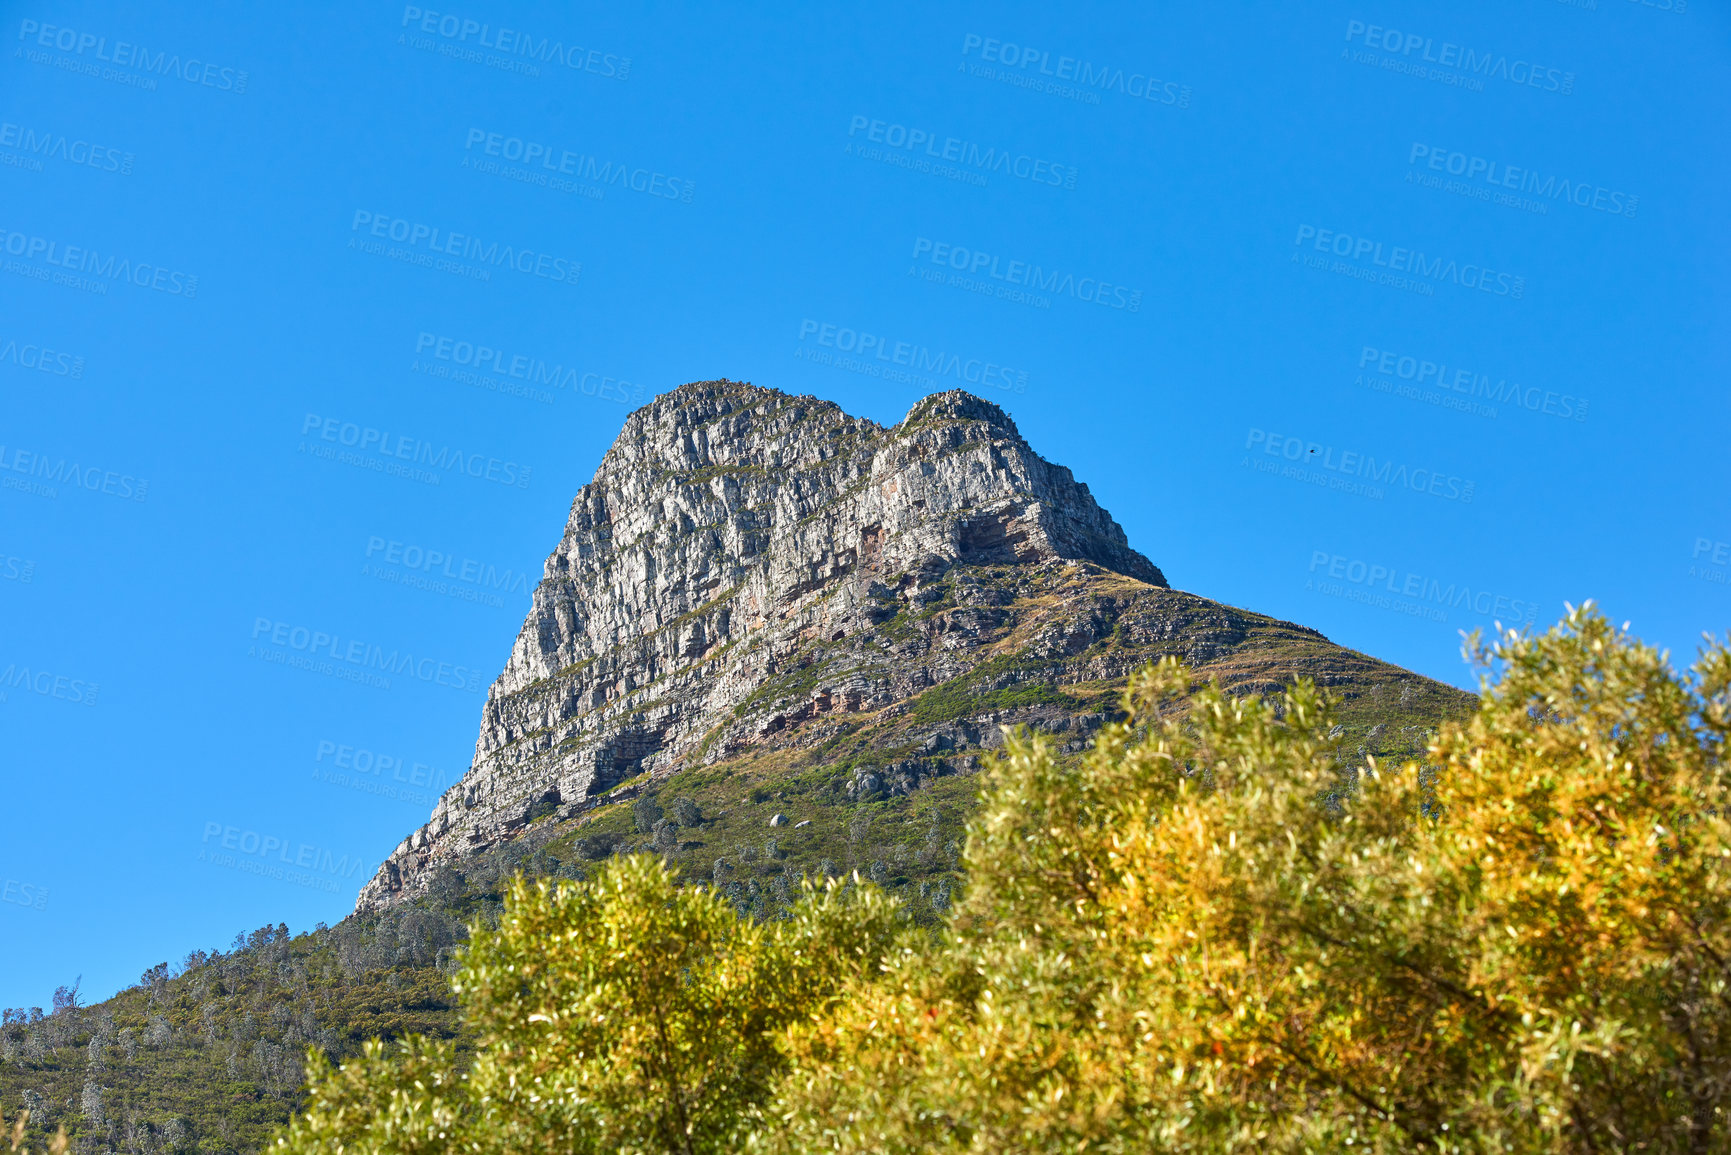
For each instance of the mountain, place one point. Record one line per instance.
(751, 572)
(774, 640)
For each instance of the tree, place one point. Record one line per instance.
(1218, 935)
(66, 997)
(622, 1013)
(90, 1103)
(1214, 932)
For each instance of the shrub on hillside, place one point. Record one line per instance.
(1201, 941)
(620, 1014)
(1217, 932)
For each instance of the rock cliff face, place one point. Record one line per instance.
(750, 569)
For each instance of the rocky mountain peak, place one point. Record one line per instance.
(752, 570)
(722, 485)
(959, 405)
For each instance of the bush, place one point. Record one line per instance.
(1183, 946)
(596, 847)
(1217, 933)
(624, 1013)
(666, 838)
(645, 813)
(59, 1144)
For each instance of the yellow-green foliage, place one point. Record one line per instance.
(1216, 937)
(619, 1014)
(1218, 933)
(56, 1146)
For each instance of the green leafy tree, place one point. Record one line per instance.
(1215, 932)
(1218, 935)
(625, 1013)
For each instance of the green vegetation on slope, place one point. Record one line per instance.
(208, 1056)
(1214, 934)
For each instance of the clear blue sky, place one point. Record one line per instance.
(1284, 288)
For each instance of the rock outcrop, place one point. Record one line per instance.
(748, 567)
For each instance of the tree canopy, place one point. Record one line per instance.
(1217, 930)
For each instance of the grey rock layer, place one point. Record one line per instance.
(727, 528)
